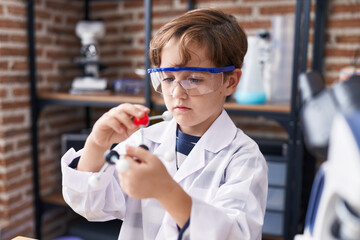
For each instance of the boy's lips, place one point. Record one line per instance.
(182, 108)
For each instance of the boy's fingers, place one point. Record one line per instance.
(135, 110)
(138, 152)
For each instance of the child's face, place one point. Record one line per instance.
(194, 114)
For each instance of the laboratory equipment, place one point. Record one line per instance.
(334, 206)
(331, 122)
(113, 157)
(320, 105)
(278, 67)
(89, 32)
(251, 88)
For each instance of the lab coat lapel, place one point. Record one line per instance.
(218, 136)
(164, 134)
(193, 162)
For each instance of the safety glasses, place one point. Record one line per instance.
(195, 81)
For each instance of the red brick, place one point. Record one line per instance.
(133, 4)
(134, 52)
(44, 65)
(348, 39)
(56, 54)
(42, 14)
(343, 23)
(20, 66)
(112, 30)
(133, 28)
(64, 6)
(13, 160)
(17, 10)
(163, 3)
(163, 14)
(59, 30)
(13, 119)
(118, 63)
(3, 93)
(9, 175)
(115, 18)
(72, 21)
(58, 19)
(7, 148)
(12, 24)
(344, 8)
(19, 222)
(255, 24)
(23, 144)
(12, 51)
(26, 181)
(272, 10)
(46, 40)
(15, 132)
(75, 43)
(4, 65)
(14, 104)
(13, 79)
(20, 91)
(4, 37)
(98, 7)
(339, 52)
(18, 38)
(238, 10)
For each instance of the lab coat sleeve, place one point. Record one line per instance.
(237, 211)
(101, 203)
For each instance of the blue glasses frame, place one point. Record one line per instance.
(195, 69)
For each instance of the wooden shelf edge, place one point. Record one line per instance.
(268, 107)
(112, 98)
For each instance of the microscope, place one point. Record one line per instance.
(89, 32)
(330, 119)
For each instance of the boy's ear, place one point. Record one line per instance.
(232, 82)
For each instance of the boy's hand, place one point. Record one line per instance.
(116, 125)
(113, 127)
(146, 177)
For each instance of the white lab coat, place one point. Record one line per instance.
(225, 174)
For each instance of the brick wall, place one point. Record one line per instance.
(122, 50)
(56, 45)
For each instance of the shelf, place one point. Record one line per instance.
(111, 99)
(232, 105)
(93, 100)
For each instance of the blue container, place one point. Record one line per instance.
(250, 97)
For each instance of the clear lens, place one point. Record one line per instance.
(194, 83)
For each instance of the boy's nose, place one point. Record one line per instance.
(178, 91)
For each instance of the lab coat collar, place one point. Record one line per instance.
(164, 134)
(218, 136)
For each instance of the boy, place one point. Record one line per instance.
(216, 187)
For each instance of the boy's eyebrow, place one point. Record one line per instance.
(176, 65)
